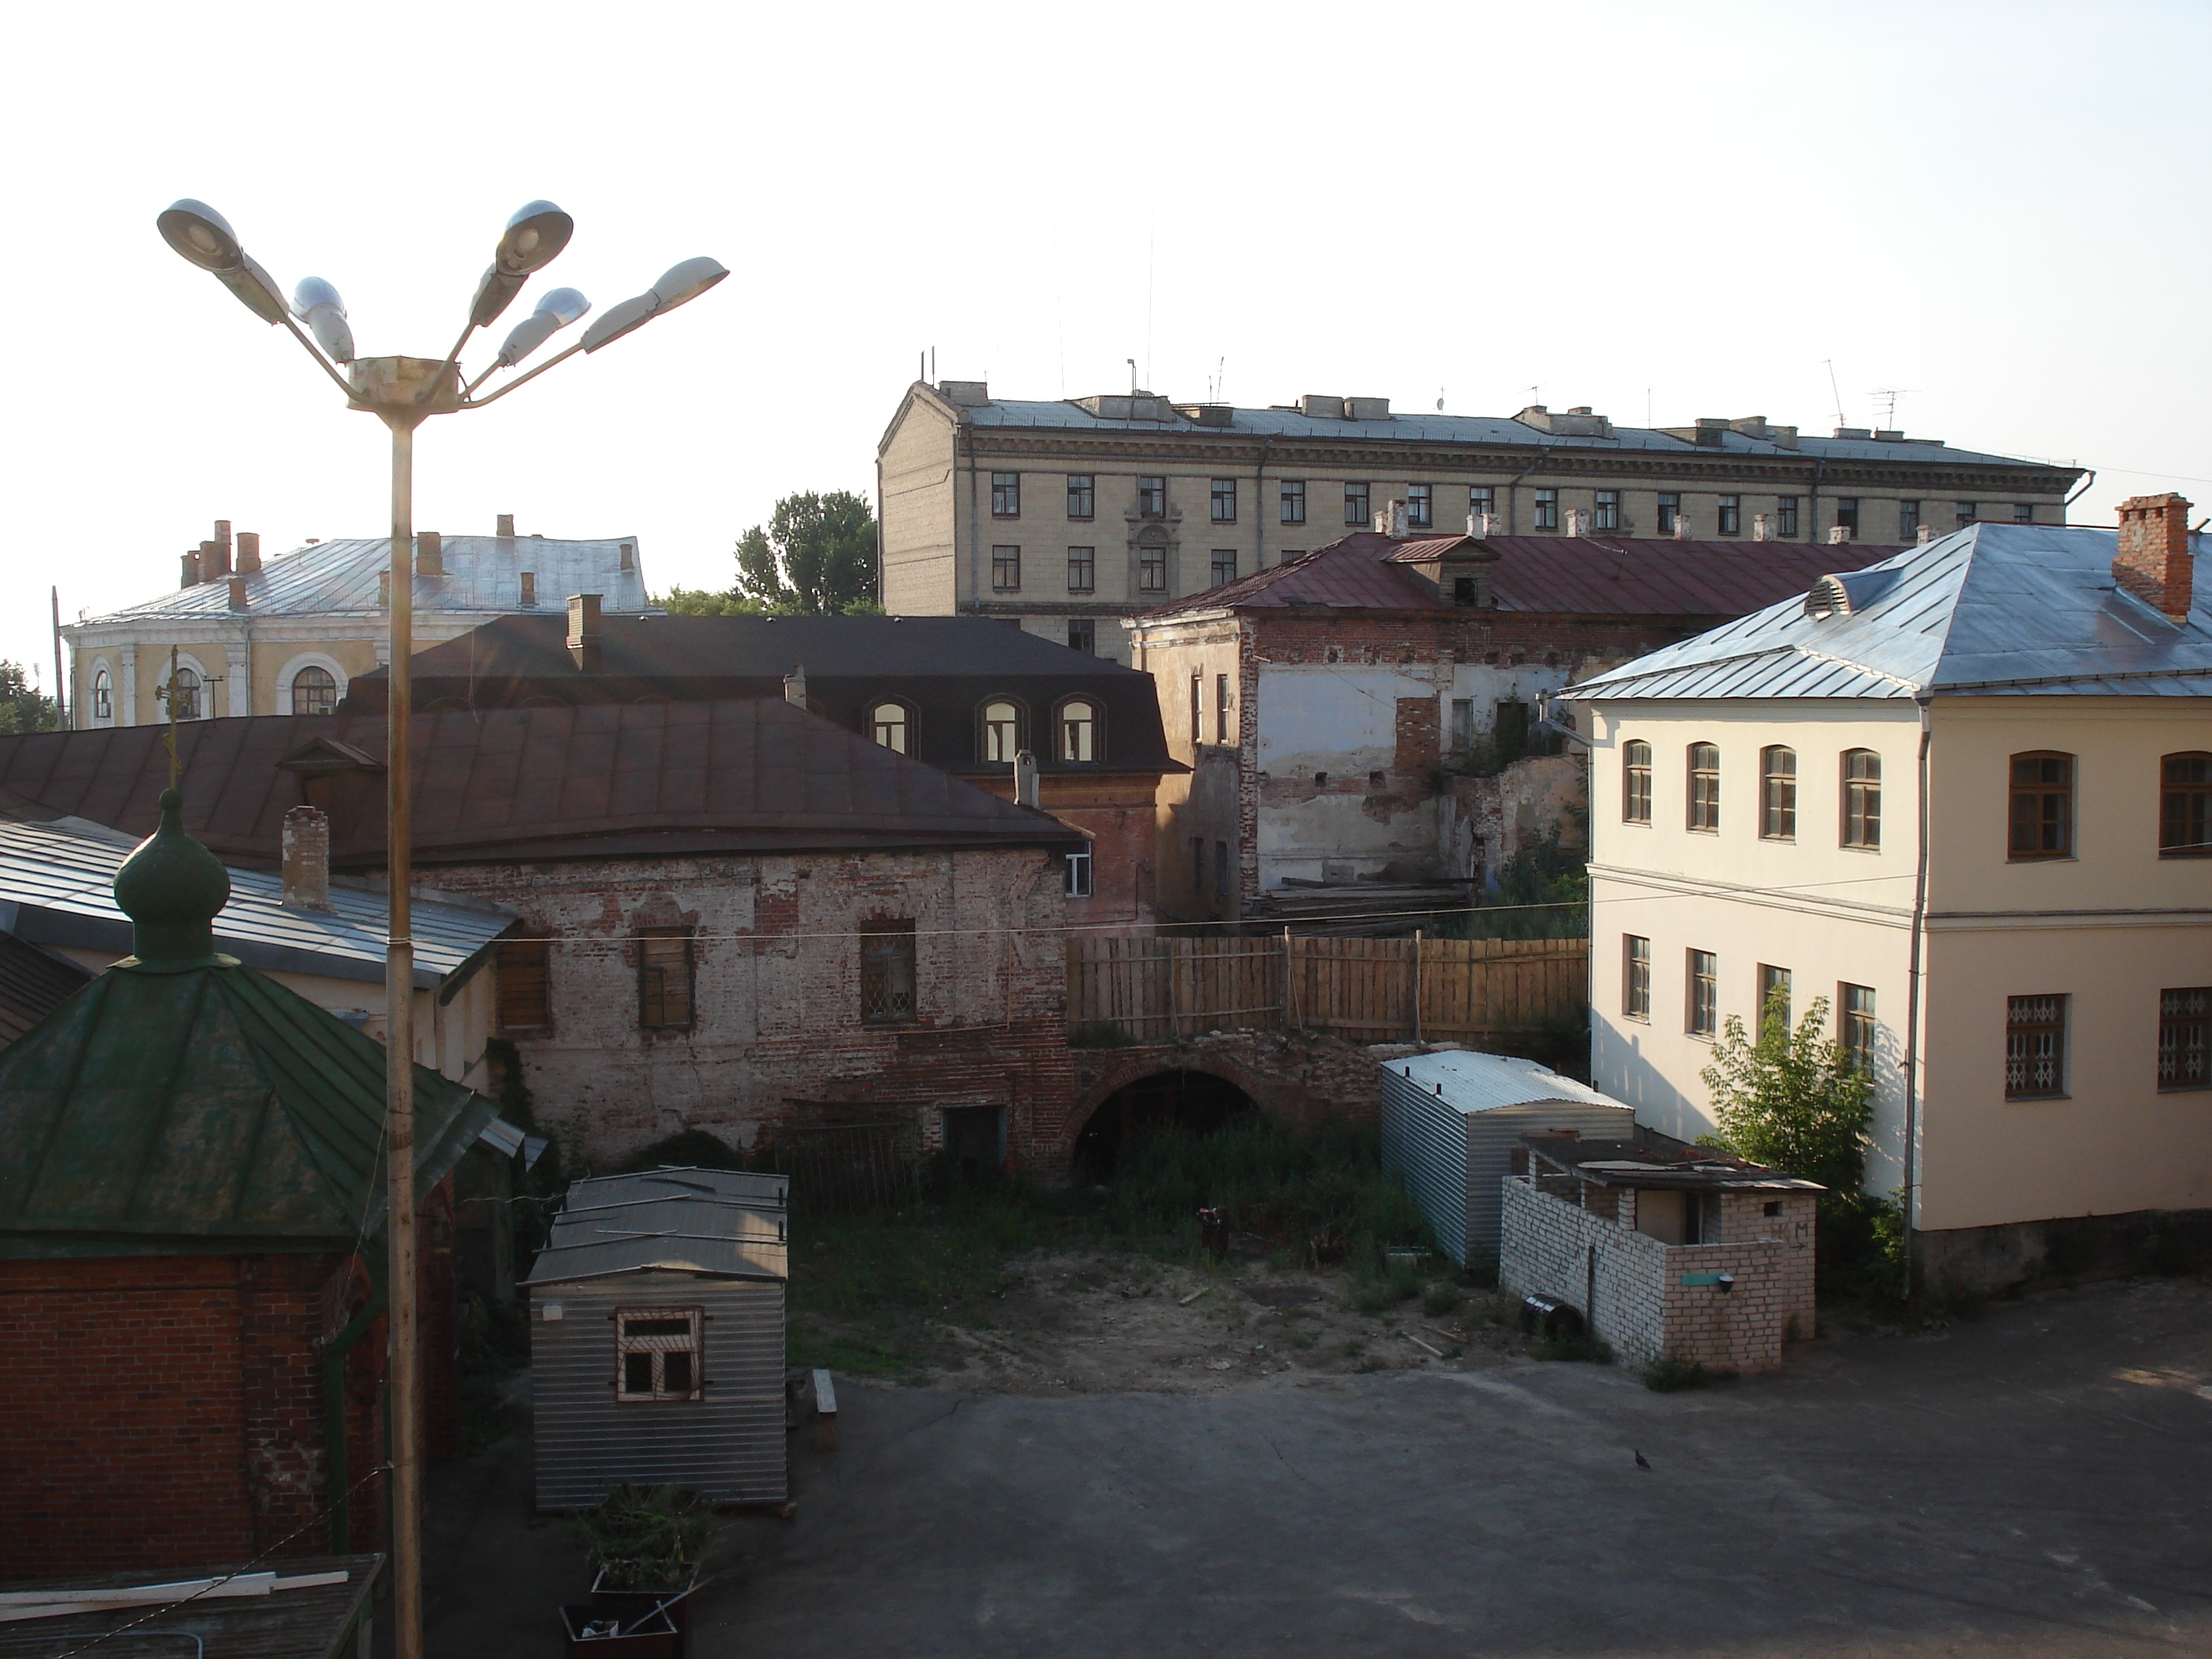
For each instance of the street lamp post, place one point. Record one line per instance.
(403, 392)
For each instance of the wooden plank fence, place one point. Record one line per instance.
(1372, 990)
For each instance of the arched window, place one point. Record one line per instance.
(888, 724)
(1079, 730)
(1861, 798)
(103, 697)
(314, 691)
(1002, 730)
(1778, 794)
(2184, 807)
(2041, 808)
(1705, 787)
(1636, 781)
(185, 695)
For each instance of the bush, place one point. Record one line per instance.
(1441, 1300)
(646, 1540)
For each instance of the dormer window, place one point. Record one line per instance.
(888, 724)
(1001, 731)
(1078, 727)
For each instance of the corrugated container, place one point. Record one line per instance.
(687, 1263)
(1450, 1123)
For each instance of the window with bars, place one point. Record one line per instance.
(1635, 977)
(1222, 495)
(314, 691)
(1355, 505)
(1702, 1017)
(1000, 736)
(1855, 1024)
(1152, 498)
(1607, 516)
(1670, 509)
(2035, 1046)
(1224, 565)
(657, 1353)
(1006, 570)
(1294, 501)
(2185, 805)
(1081, 495)
(1079, 730)
(1785, 517)
(887, 973)
(1731, 521)
(2041, 808)
(889, 724)
(1082, 569)
(1420, 506)
(664, 979)
(1636, 781)
(1778, 794)
(1861, 799)
(1773, 996)
(1006, 494)
(1547, 509)
(2184, 1037)
(525, 985)
(1704, 789)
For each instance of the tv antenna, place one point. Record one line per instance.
(1889, 396)
(1834, 393)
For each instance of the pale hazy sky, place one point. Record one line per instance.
(1998, 208)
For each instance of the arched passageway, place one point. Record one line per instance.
(1197, 1102)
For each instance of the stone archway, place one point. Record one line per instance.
(1195, 1100)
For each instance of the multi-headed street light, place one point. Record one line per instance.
(403, 392)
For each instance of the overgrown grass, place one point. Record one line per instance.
(495, 1343)
(1672, 1376)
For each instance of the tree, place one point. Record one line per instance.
(1794, 1101)
(815, 557)
(700, 602)
(22, 708)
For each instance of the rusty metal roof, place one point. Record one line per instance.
(1557, 575)
(757, 775)
(1653, 1160)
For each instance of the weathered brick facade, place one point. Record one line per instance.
(1628, 1286)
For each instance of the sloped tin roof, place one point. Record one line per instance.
(32, 984)
(1990, 610)
(1473, 1082)
(724, 1224)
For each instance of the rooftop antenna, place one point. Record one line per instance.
(1151, 236)
(1889, 395)
(1440, 400)
(1839, 396)
(1131, 361)
(1536, 395)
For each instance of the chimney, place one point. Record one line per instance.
(1390, 520)
(188, 575)
(506, 524)
(2153, 561)
(215, 560)
(238, 593)
(584, 630)
(306, 855)
(1025, 785)
(1760, 528)
(249, 552)
(384, 590)
(1481, 525)
(794, 685)
(429, 553)
(1839, 535)
(1927, 534)
(1681, 525)
(223, 539)
(1577, 522)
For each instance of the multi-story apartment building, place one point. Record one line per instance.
(1067, 516)
(287, 635)
(1965, 794)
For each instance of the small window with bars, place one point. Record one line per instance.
(1854, 1030)
(2184, 1037)
(1635, 977)
(526, 987)
(657, 1353)
(2035, 1046)
(887, 973)
(664, 979)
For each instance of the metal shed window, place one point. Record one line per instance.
(2042, 806)
(664, 979)
(657, 1353)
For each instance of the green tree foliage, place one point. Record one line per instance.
(815, 557)
(22, 708)
(700, 602)
(1542, 892)
(1794, 1100)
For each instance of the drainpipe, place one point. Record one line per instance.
(1259, 508)
(1513, 501)
(334, 1409)
(2078, 494)
(1914, 977)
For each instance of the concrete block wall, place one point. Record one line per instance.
(1629, 1285)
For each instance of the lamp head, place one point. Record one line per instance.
(555, 311)
(316, 303)
(678, 286)
(201, 235)
(536, 233)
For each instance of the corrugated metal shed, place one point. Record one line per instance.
(57, 887)
(1450, 1122)
(1989, 611)
(640, 1268)
(483, 573)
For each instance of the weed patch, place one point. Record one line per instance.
(1442, 1300)
(1672, 1376)
(1587, 1349)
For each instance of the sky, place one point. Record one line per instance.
(1662, 211)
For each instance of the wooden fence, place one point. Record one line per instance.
(1372, 990)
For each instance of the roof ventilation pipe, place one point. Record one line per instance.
(583, 632)
(794, 686)
(1025, 778)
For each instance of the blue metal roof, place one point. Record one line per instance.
(1990, 610)
(483, 573)
(57, 887)
(1488, 430)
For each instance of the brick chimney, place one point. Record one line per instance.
(215, 560)
(306, 859)
(238, 593)
(1925, 534)
(429, 553)
(584, 635)
(223, 540)
(794, 686)
(1761, 528)
(2153, 561)
(249, 552)
(1577, 522)
(506, 525)
(1839, 535)
(188, 574)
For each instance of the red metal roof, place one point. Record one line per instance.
(1567, 575)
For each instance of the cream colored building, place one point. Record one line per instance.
(1068, 516)
(288, 635)
(1967, 796)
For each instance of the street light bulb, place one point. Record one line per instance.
(687, 281)
(200, 234)
(316, 303)
(562, 307)
(536, 233)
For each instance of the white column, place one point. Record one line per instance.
(126, 699)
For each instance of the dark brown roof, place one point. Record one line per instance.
(1559, 576)
(1653, 1160)
(531, 783)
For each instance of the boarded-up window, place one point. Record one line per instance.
(526, 987)
(886, 973)
(664, 979)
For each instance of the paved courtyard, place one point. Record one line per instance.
(2036, 1483)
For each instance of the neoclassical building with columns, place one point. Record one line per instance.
(287, 635)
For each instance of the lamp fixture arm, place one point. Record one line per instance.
(523, 380)
(321, 361)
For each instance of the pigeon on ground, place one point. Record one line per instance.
(1642, 1462)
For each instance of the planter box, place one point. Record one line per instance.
(656, 1637)
(633, 1604)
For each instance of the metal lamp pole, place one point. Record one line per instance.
(403, 392)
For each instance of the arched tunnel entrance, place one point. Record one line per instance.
(1196, 1103)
